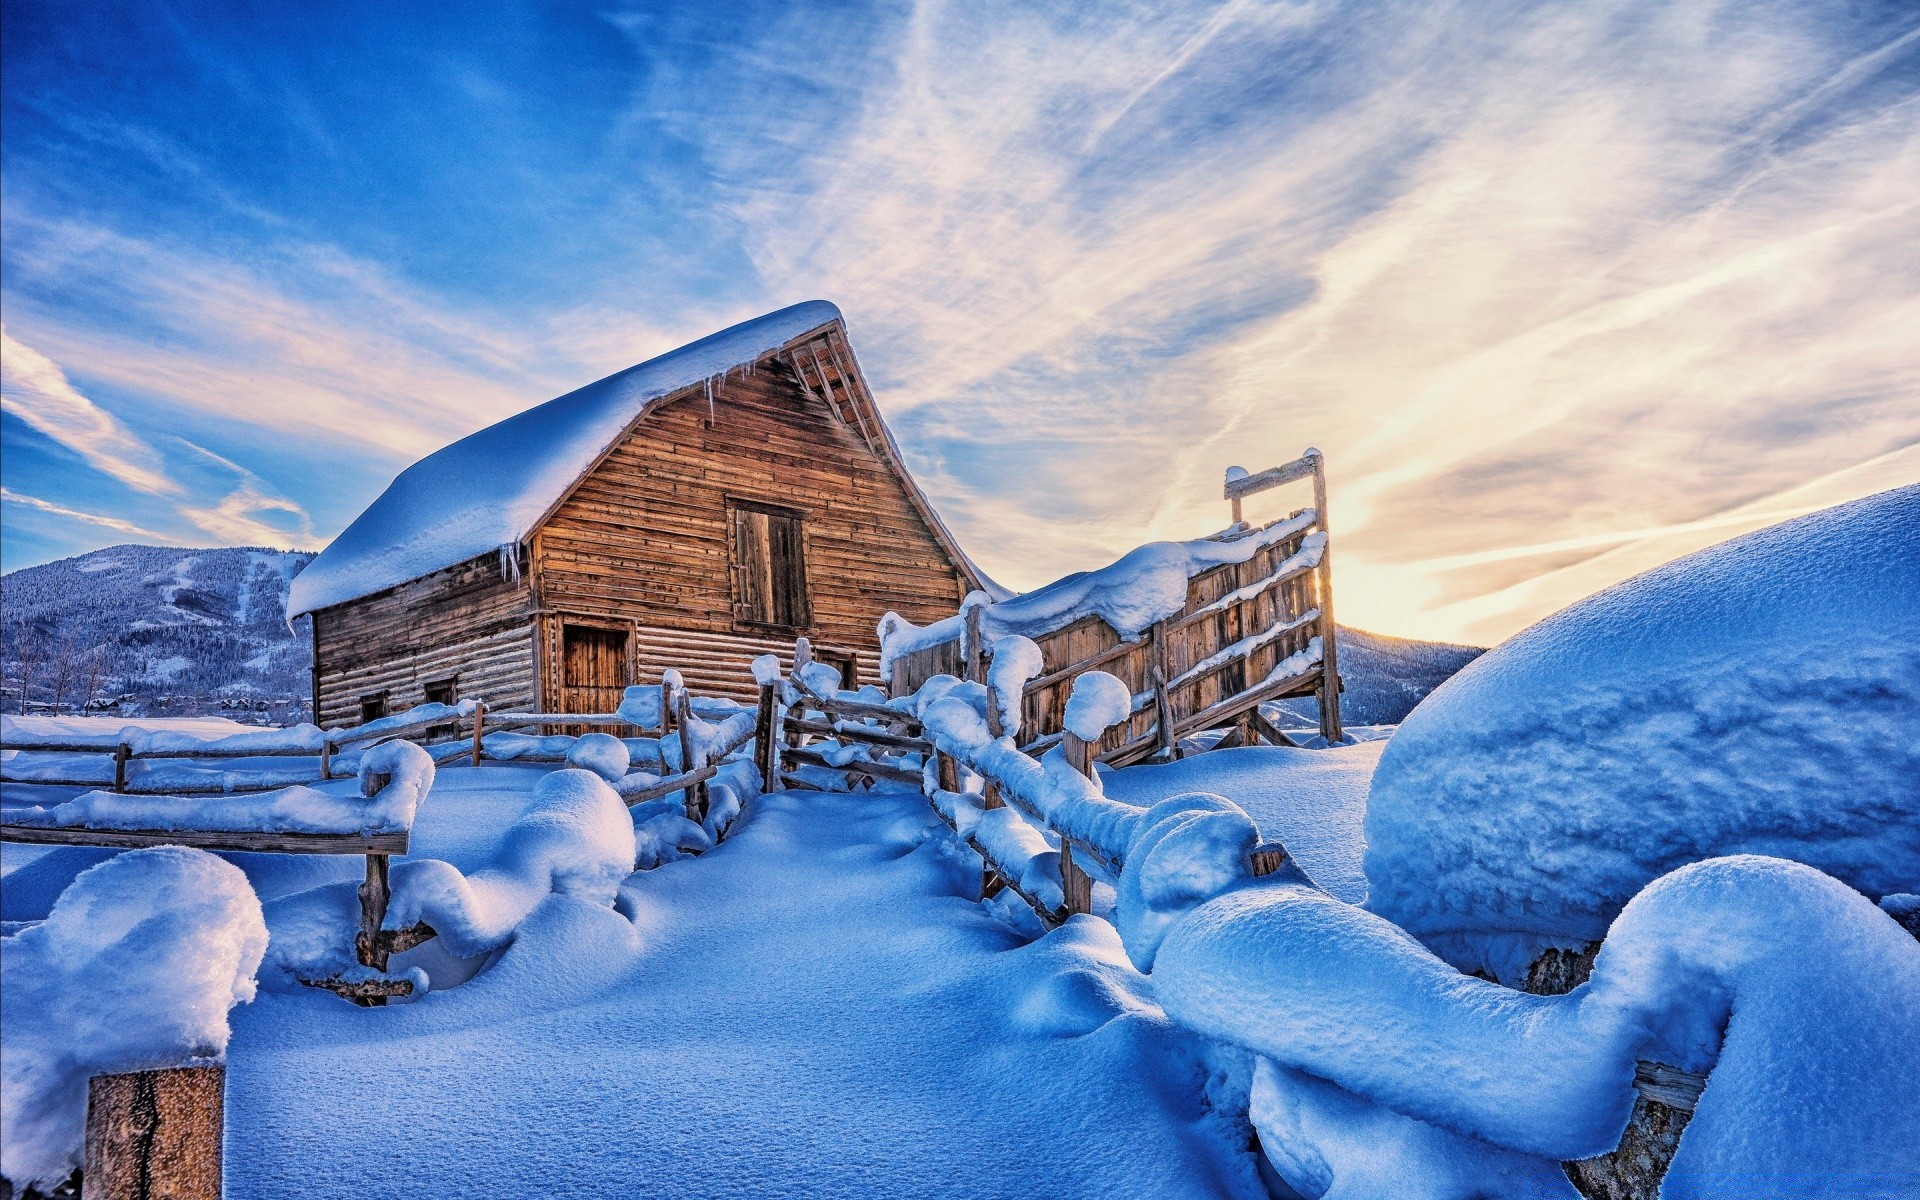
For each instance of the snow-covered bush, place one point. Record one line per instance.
(133, 969)
(1761, 696)
(1800, 995)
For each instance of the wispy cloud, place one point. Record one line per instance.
(74, 514)
(1560, 288)
(1529, 276)
(36, 390)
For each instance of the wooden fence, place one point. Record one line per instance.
(1248, 633)
(431, 733)
(1666, 1095)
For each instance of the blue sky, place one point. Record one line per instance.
(1563, 290)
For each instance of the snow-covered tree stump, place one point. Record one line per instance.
(155, 1134)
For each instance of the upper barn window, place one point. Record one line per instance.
(769, 566)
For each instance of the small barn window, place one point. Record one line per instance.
(442, 691)
(769, 565)
(373, 706)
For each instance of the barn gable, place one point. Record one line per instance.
(489, 491)
(684, 502)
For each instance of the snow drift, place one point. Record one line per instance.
(134, 969)
(575, 838)
(1800, 995)
(1761, 696)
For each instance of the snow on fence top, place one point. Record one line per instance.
(1761, 696)
(403, 771)
(489, 489)
(1145, 585)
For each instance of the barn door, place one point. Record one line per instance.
(593, 668)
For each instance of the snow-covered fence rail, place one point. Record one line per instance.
(1201, 633)
(133, 760)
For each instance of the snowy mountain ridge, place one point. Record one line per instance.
(155, 630)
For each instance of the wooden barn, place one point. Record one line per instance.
(694, 511)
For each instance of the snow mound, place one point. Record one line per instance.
(489, 489)
(134, 969)
(573, 839)
(1801, 997)
(1761, 696)
(1098, 700)
(602, 753)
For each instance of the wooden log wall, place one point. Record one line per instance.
(469, 621)
(1171, 648)
(645, 538)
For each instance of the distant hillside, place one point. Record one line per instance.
(1386, 676)
(156, 630)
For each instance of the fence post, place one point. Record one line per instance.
(996, 727)
(479, 728)
(764, 734)
(1329, 659)
(692, 758)
(368, 947)
(326, 758)
(155, 1133)
(976, 653)
(1076, 886)
(121, 752)
(1159, 672)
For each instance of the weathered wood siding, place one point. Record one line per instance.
(1175, 646)
(467, 621)
(644, 538)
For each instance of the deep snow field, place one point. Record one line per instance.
(816, 1007)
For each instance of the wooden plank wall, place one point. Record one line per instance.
(1085, 643)
(644, 539)
(467, 621)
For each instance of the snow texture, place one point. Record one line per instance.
(134, 969)
(1146, 585)
(298, 809)
(1097, 702)
(1015, 661)
(573, 839)
(106, 732)
(1313, 802)
(1332, 1145)
(1800, 995)
(419, 713)
(1760, 696)
(602, 753)
(303, 738)
(487, 491)
(640, 706)
(285, 811)
(818, 1003)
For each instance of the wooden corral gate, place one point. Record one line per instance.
(1247, 634)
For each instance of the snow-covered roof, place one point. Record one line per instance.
(491, 488)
